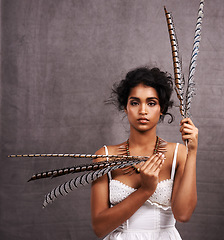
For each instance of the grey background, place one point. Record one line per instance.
(59, 59)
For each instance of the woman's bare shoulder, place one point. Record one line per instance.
(181, 153)
(171, 146)
(112, 150)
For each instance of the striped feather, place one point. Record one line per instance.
(178, 75)
(83, 180)
(72, 155)
(197, 38)
(87, 167)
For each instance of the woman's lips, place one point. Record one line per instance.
(143, 120)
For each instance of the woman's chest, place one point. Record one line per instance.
(131, 178)
(161, 197)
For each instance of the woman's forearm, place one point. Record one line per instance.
(105, 219)
(185, 199)
(109, 219)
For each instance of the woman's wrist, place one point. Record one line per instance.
(192, 152)
(146, 193)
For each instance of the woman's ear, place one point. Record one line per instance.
(125, 110)
(161, 111)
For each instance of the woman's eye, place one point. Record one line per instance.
(152, 103)
(134, 103)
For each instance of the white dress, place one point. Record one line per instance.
(154, 220)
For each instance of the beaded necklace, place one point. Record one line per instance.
(160, 146)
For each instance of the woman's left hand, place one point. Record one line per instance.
(190, 133)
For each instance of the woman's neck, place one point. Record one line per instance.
(142, 139)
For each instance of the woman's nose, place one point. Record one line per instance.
(143, 109)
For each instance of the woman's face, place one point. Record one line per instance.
(143, 109)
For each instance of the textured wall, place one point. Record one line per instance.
(58, 62)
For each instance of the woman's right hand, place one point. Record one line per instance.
(106, 219)
(150, 172)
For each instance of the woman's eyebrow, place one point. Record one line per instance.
(135, 98)
(148, 99)
(153, 98)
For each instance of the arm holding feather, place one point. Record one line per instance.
(184, 197)
(106, 219)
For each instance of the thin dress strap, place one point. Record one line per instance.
(106, 152)
(174, 162)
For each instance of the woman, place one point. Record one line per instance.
(142, 202)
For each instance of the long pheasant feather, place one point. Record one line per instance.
(87, 167)
(72, 155)
(185, 98)
(85, 179)
(197, 38)
(178, 75)
(121, 150)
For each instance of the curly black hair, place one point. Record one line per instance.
(161, 81)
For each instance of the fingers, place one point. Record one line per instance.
(187, 126)
(158, 164)
(186, 120)
(150, 172)
(154, 163)
(186, 123)
(189, 132)
(185, 129)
